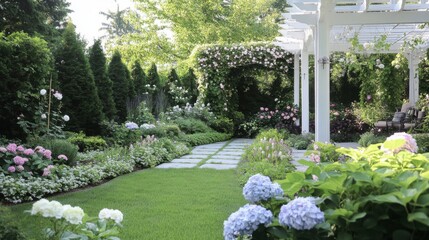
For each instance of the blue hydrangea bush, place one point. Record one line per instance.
(378, 192)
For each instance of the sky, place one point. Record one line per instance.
(87, 17)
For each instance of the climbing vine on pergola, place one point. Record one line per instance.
(214, 62)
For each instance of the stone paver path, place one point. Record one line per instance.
(221, 155)
(299, 154)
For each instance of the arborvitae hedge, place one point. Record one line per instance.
(172, 78)
(139, 77)
(131, 86)
(80, 97)
(189, 81)
(104, 85)
(118, 75)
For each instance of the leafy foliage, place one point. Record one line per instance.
(25, 65)
(86, 143)
(191, 126)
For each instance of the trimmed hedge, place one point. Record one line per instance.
(204, 138)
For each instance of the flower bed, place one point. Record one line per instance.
(61, 178)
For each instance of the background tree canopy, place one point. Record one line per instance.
(168, 31)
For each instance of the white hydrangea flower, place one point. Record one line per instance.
(73, 215)
(43, 92)
(66, 118)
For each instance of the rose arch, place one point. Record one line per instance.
(213, 63)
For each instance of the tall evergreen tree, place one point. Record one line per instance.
(154, 81)
(77, 84)
(118, 75)
(131, 86)
(189, 81)
(173, 82)
(153, 77)
(139, 77)
(104, 85)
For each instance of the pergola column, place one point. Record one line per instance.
(296, 80)
(413, 64)
(322, 100)
(305, 99)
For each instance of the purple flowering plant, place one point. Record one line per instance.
(16, 160)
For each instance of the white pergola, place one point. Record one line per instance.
(320, 27)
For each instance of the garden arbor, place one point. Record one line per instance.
(320, 27)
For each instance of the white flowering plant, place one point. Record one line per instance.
(70, 222)
(47, 119)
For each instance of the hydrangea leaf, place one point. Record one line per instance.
(419, 217)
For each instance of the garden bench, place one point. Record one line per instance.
(405, 115)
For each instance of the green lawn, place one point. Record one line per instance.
(158, 203)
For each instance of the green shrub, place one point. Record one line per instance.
(191, 125)
(119, 135)
(422, 140)
(157, 131)
(246, 169)
(272, 133)
(8, 229)
(151, 151)
(324, 152)
(222, 124)
(141, 115)
(268, 155)
(204, 138)
(369, 138)
(300, 142)
(61, 146)
(171, 130)
(86, 143)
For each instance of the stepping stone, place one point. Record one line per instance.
(232, 150)
(225, 157)
(222, 153)
(186, 160)
(177, 165)
(204, 151)
(199, 156)
(219, 166)
(223, 161)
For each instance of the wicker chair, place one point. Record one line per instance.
(399, 118)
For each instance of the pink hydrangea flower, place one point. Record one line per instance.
(262, 108)
(315, 158)
(20, 148)
(11, 169)
(266, 109)
(11, 147)
(3, 149)
(262, 117)
(47, 170)
(19, 160)
(47, 153)
(62, 157)
(409, 145)
(39, 149)
(20, 168)
(269, 117)
(29, 151)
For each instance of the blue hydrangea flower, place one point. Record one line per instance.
(301, 214)
(131, 125)
(276, 190)
(245, 221)
(260, 188)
